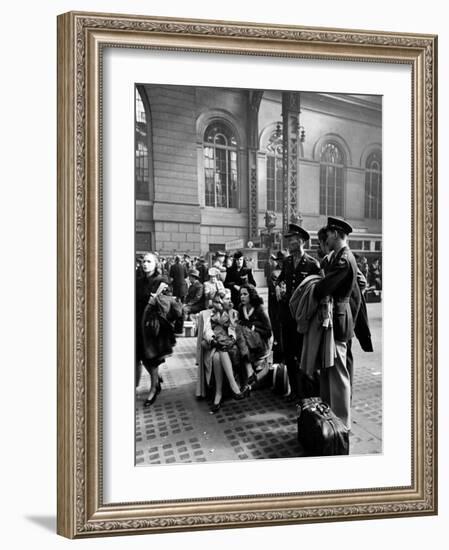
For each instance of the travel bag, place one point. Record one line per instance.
(320, 431)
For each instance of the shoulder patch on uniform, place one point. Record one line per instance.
(342, 260)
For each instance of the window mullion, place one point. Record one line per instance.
(215, 173)
(227, 177)
(335, 190)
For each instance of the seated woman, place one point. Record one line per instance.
(253, 331)
(223, 351)
(213, 285)
(155, 313)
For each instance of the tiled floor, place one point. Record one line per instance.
(180, 429)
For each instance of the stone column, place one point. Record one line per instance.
(254, 98)
(290, 131)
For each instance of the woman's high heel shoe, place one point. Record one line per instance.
(149, 402)
(252, 379)
(215, 407)
(239, 396)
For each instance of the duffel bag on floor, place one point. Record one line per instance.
(320, 431)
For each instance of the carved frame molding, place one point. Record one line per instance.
(81, 37)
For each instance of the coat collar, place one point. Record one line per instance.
(338, 255)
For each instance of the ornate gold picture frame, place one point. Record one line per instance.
(82, 41)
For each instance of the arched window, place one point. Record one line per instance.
(275, 171)
(220, 166)
(141, 148)
(373, 186)
(331, 180)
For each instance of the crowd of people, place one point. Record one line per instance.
(237, 329)
(315, 307)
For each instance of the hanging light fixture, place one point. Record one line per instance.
(278, 131)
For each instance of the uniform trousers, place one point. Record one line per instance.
(335, 385)
(291, 342)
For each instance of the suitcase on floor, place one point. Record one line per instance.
(320, 431)
(280, 379)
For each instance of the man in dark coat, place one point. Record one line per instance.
(194, 301)
(339, 282)
(237, 275)
(203, 269)
(273, 304)
(295, 268)
(178, 276)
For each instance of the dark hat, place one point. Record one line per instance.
(220, 253)
(281, 255)
(338, 223)
(238, 254)
(295, 229)
(194, 273)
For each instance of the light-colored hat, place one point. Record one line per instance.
(213, 272)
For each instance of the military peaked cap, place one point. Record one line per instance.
(338, 223)
(295, 229)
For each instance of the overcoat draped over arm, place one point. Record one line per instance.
(314, 321)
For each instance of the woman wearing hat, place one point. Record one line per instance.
(194, 301)
(238, 274)
(212, 286)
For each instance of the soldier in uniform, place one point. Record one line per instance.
(339, 282)
(295, 269)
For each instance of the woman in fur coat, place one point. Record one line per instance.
(156, 312)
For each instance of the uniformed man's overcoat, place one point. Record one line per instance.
(339, 282)
(292, 277)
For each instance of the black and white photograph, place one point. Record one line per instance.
(258, 263)
(222, 287)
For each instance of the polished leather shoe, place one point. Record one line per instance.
(215, 407)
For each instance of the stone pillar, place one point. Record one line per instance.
(254, 98)
(290, 132)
